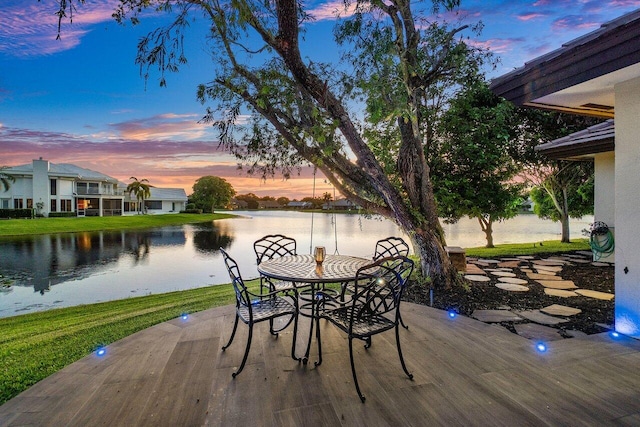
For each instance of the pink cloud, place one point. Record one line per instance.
(497, 45)
(162, 127)
(29, 28)
(530, 16)
(574, 22)
(332, 10)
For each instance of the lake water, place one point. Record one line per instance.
(69, 269)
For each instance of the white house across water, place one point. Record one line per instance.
(48, 187)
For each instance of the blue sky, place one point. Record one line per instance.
(82, 99)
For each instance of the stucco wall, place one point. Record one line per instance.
(41, 184)
(627, 212)
(604, 193)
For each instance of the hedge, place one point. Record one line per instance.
(16, 213)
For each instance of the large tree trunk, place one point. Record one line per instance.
(486, 224)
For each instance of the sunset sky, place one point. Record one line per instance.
(82, 99)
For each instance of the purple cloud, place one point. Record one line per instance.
(574, 22)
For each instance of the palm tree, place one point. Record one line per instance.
(140, 189)
(5, 180)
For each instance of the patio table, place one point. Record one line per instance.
(309, 278)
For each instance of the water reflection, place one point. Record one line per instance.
(212, 236)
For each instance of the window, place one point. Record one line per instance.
(88, 188)
(4, 204)
(54, 205)
(54, 186)
(29, 203)
(18, 204)
(153, 204)
(65, 205)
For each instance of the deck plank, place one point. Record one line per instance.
(465, 373)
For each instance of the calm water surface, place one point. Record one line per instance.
(70, 269)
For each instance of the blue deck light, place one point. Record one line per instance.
(614, 334)
(452, 314)
(541, 347)
(184, 316)
(101, 351)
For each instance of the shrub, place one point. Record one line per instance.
(192, 211)
(16, 213)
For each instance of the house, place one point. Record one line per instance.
(268, 204)
(598, 75)
(340, 204)
(299, 205)
(49, 187)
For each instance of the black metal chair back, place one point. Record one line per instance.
(374, 306)
(273, 246)
(391, 247)
(252, 308)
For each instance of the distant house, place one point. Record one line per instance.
(268, 204)
(299, 205)
(340, 204)
(238, 204)
(48, 187)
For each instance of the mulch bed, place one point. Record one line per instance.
(596, 315)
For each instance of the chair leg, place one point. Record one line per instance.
(353, 370)
(246, 352)
(367, 342)
(404, 366)
(271, 331)
(295, 334)
(402, 321)
(233, 334)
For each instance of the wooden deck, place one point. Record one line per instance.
(465, 373)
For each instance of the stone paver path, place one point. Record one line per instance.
(534, 324)
(477, 278)
(560, 310)
(558, 284)
(511, 287)
(537, 332)
(495, 316)
(539, 317)
(560, 293)
(595, 294)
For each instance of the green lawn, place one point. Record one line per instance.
(34, 346)
(19, 227)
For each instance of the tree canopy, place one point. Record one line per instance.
(472, 168)
(211, 192)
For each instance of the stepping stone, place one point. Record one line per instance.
(477, 278)
(511, 259)
(513, 280)
(511, 287)
(600, 264)
(558, 284)
(550, 263)
(510, 264)
(474, 269)
(495, 316)
(547, 268)
(575, 334)
(560, 310)
(503, 274)
(488, 261)
(537, 276)
(536, 332)
(539, 317)
(581, 261)
(559, 293)
(585, 253)
(499, 269)
(526, 270)
(595, 294)
(525, 257)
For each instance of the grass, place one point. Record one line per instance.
(545, 247)
(34, 346)
(20, 227)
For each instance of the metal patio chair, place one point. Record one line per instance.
(374, 306)
(274, 246)
(253, 308)
(390, 247)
